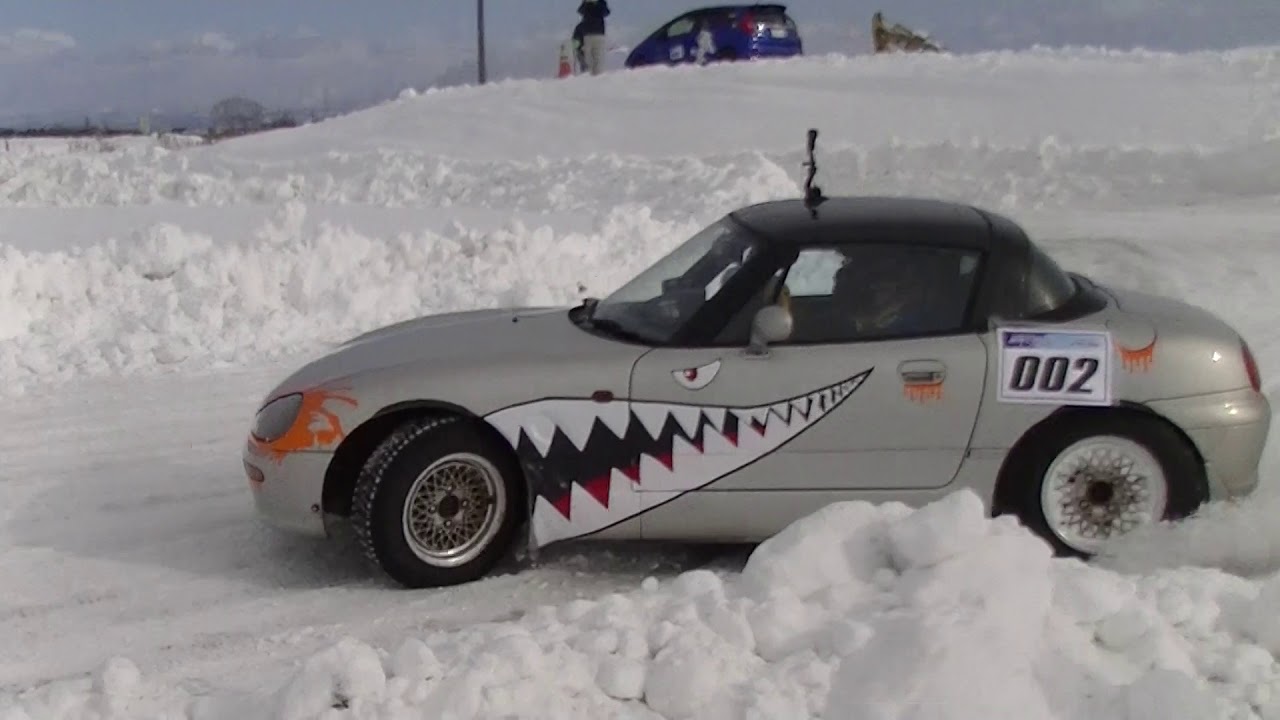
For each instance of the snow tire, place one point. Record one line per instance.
(1177, 478)
(384, 501)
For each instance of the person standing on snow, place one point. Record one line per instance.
(579, 54)
(593, 13)
(705, 50)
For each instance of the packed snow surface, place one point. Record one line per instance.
(856, 611)
(150, 292)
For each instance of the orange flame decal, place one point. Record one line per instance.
(315, 427)
(922, 392)
(1138, 359)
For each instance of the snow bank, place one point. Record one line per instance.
(166, 297)
(1053, 171)
(1153, 100)
(925, 123)
(878, 612)
(164, 294)
(237, 287)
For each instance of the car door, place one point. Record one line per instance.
(680, 39)
(844, 403)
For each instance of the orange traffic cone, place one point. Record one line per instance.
(566, 61)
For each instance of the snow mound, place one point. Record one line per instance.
(977, 125)
(863, 99)
(157, 294)
(880, 612)
(1053, 171)
(167, 297)
(155, 290)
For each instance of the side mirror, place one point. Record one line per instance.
(772, 324)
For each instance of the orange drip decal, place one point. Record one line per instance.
(316, 426)
(923, 392)
(1138, 359)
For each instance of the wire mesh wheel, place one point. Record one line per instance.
(1101, 488)
(454, 509)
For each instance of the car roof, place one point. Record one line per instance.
(906, 220)
(779, 7)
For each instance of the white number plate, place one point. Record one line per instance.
(1060, 367)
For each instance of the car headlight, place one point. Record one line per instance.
(275, 419)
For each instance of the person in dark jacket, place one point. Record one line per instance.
(593, 13)
(579, 54)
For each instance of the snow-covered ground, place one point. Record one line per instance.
(148, 296)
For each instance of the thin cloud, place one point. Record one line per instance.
(26, 44)
(188, 75)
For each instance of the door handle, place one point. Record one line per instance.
(922, 372)
(923, 376)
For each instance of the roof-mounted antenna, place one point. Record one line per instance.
(812, 193)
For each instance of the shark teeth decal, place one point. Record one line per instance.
(593, 465)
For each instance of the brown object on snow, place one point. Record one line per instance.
(898, 37)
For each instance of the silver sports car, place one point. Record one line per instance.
(792, 354)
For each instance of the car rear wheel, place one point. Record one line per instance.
(437, 503)
(1100, 478)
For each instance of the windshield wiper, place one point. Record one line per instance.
(618, 330)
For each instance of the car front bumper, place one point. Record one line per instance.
(1230, 431)
(287, 492)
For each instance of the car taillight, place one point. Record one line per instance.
(1251, 367)
(748, 24)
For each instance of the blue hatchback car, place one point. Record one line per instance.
(723, 32)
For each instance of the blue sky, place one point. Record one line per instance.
(78, 58)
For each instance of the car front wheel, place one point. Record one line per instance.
(437, 503)
(1104, 477)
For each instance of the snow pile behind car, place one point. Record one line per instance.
(855, 611)
(170, 297)
(141, 257)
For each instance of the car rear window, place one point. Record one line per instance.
(772, 16)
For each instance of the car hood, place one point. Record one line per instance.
(470, 339)
(430, 322)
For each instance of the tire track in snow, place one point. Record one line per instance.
(136, 529)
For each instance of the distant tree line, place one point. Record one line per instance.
(67, 131)
(230, 117)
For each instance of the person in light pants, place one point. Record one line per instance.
(593, 13)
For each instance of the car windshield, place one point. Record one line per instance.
(655, 304)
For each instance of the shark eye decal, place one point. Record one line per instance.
(696, 378)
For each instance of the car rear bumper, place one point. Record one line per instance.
(1230, 431)
(775, 49)
(287, 492)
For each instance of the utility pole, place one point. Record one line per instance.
(480, 39)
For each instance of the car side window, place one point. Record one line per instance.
(717, 20)
(1048, 287)
(680, 27)
(814, 271)
(737, 331)
(860, 292)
